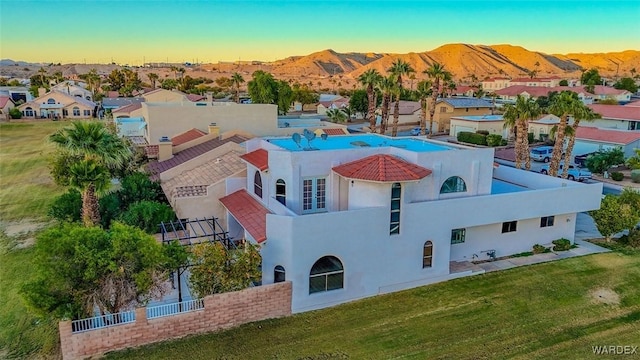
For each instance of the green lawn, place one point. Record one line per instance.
(26, 189)
(543, 311)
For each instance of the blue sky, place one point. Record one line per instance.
(209, 31)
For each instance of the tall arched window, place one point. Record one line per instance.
(281, 191)
(427, 255)
(394, 224)
(326, 274)
(452, 185)
(278, 274)
(28, 111)
(257, 184)
(76, 111)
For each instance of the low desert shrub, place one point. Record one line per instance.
(635, 176)
(561, 244)
(539, 249)
(617, 176)
(494, 139)
(472, 138)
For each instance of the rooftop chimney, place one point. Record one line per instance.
(165, 149)
(214, 129)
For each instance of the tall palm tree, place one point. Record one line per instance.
(95, 153)
(370, 80)
(518, 116)
(337, 115)
(153, 77)
(398, 69)
(437, 73)
(423, 90)
(387, 88)
(580, 113)
(42, 73)
(237, 79)
(562, 106)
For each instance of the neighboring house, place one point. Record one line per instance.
(132, 110)
(163, 95)
(616, 117)
(338, 103)
(355, 216)
(16, 93)
(456, 106)
(73, 88)
(464, 90)
(511, 93)
(408, 112)
(6, 104)
(493, 84)
(58, 105)
(552, 81)
(119, 102)
(494, 124)
(607, 92)
(541, 127)
(590, 139)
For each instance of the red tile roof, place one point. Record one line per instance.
(187, 136)
(129, 108)
(635, 103)
(185, 155)
(334, 131)
(152, 151)
(195, 97)
(382, 168)
(618, 112)
(4, 100)
(258, 158)
(251, 215)
(621, 137)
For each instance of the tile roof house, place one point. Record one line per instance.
(457, 106)
(621, 117)
(58, 105)
(6, 104)
(590, 139)
(359, 215)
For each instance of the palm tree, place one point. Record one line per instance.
(237, 79)
(153, 77)
(93, 80)
(95, 153)
(370, 79)
(386, 86)
(397, 70)
(42, 71)
(423, 91)
(518, 116)
(337, 115)
(580, 113)
(562, 106)
(438, 74)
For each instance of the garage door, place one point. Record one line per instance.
(460, 129)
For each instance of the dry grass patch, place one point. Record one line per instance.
(605, 296)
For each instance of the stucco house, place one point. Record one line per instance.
(456, 106)
(73, 88)
(621, 117)
(348, 217)
(6, 104)
(58, 105)
(541, 127)
(590, 139)
(408, 112)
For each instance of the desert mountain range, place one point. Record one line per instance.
(463, 60)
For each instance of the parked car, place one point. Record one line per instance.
(416, 131)
(541, 153)
(574, 173)
(581, 160)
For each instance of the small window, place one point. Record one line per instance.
(509, 226)
(76, 111)
(427, 255)
(457, 236)
(257, 184)
(51, 101)
(396, 190)
(452, 185)
(326, 274)
(87, 112)
(466, 109)
(547, 221)
(278, 274)
(281, 192)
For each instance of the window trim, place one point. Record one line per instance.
(427, 258)
(257, 184)
(281, 197)
(509, 226)
(458, 236)
(314, 198)
(279, 269)
(394, 226)
(547, 221)
(326, 275)
(459, 187)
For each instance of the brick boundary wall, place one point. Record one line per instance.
(221, 311)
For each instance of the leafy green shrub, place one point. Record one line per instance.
(539, 249)
(483, 132)
(503, 142)
(109, 209)
(602, 161)
(67, 207)
(15, 113)
(635, 176)
(494, 139)
(472, 138)
(138, 187)
(617, 176)
(530, 137)
(147, 215)
(561, 244)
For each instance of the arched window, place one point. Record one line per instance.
(326, 274)
(28, 111)
(278, 274)
(427, 255)
(281, 191)
(51, 101)
(76, 111)
(394, 224)
(257, 184)
(452, 185)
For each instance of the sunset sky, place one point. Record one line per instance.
(130, 32)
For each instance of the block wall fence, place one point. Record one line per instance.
(221, 311)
